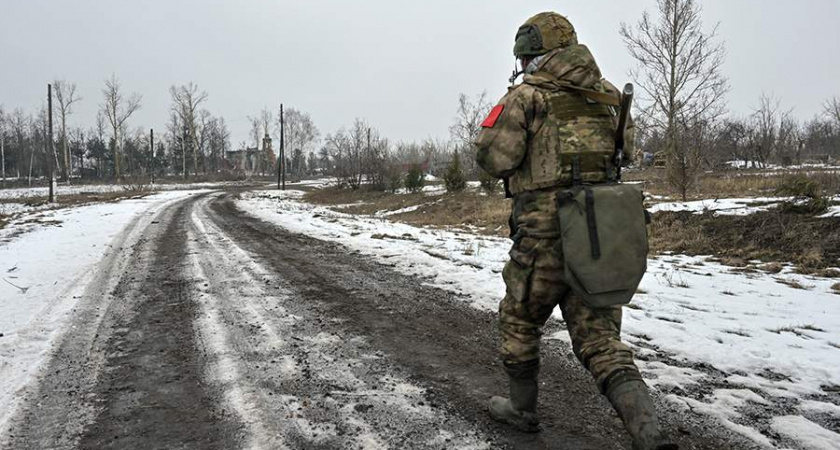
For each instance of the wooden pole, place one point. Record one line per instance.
(281, 175)
(50, 143)
(152, 156)
(3, 153)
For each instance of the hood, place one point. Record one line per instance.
(570, 65)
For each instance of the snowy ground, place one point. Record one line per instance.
(75, 189)
(711, 339)
(730, 206)
(722, 206)
(22, 205)
(43, 273)
(741, 164)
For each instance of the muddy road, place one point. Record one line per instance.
(208, 329)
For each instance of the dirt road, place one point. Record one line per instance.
(208, 329)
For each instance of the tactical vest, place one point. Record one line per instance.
(575, 144)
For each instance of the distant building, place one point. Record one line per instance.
(243, 160)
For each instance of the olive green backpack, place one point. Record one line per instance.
(604, 238)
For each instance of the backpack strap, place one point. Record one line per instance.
(591, 224)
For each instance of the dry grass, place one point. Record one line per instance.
(740, 183)
(836, 288)
(487, 214)
(793, 283)
(812, 244)
(772, 268)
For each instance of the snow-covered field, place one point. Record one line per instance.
(722, 206)
(16, 202)
(730, 206)
(44, 272)
(710, 338)
(742, 164)
(75, 189)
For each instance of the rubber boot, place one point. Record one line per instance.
(520, 410)
(633, 404)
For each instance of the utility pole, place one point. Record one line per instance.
(51, 144)
(281, 168)
(184, 148)
(3, 151)
(152, 156)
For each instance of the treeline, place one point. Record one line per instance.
(771, 135)
(194, 142)
(359, 155)
(682, 119)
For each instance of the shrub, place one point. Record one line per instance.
(807, 196)
(489, 184)
(395, 181)
(136, 185)
(454, 176)
(415, 178)
(387, 177)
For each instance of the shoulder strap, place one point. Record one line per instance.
(604, 98)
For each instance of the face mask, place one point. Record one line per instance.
(532, 66)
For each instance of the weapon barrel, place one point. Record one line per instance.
(623, 118)
(623, 115)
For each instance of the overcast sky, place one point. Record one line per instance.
(398, 64)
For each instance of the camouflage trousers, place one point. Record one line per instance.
(535, 286)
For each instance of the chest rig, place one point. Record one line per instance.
(574, 144)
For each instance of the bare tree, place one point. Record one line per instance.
(301, 135)
(265, 119)
(65, 96)
(3, 143)
(97, 147)
(348, 151)
(20, 124)
(117, 109)
(680, 72)
(218, 141)
(770, 127)
(186, 100)
(464, 130)
(832, 110)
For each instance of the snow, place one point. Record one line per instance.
(723, 206)
(472, 263)
(17, 193)
(809, 434)
(743, 164)
(834, 211)
(732, 206)
(769, 339)
(51, 266)
(76, 189)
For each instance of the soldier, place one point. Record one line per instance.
(555, 130)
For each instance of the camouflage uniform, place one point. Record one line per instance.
(545, 137)
(553, 131)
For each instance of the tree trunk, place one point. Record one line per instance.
(31, 157)
(116, 155)
(67, 160)
(3, 157)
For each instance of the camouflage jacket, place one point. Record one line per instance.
(545, 132)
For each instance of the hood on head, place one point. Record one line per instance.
(573, 64)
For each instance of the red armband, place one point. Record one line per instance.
(491, 119)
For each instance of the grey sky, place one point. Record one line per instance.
(398, 64)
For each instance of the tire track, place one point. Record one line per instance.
(298, 379)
